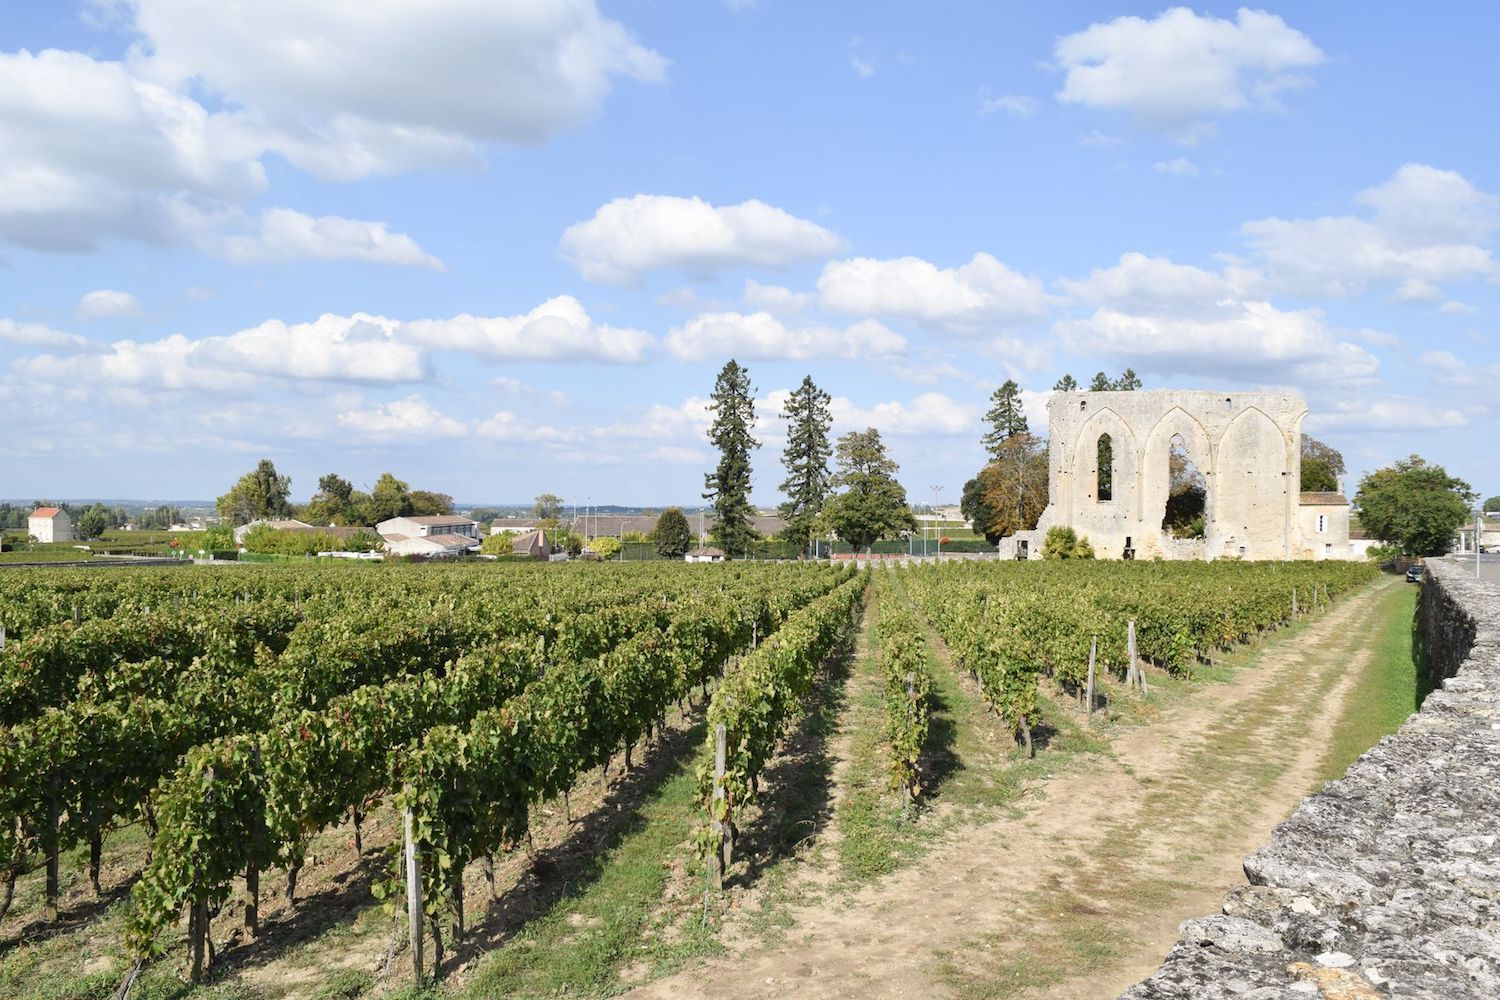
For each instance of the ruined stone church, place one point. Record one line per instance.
(1115, 456)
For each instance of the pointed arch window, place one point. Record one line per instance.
(1105, 486)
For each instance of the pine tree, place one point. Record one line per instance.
(672, 536)
(1129, 381)
(1066, 384)
(1101, 383)
(1006, 417)
(808, 480)
(728, 486)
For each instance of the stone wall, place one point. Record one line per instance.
(1387, 882)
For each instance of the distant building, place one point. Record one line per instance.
(705, 554)
(50, 524)
(533, 544)
(1323, 518)
(435, 535)
(515, 525)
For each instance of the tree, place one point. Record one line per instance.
(1065, 543)
(808, 480)
(428, 503)
(260, 493)
(977, 511)
(1128, 381)
(548, 506)
(1066, 384)
(91, 523)
(498, 545)
(873, 504)
(1101, 383)
(605, 546)
(1005, 417)
(334, 501)
(1015, 486)
(1414, 505)
(728, 486)
(1492, 505)
(1322, 465)
(672, 536)
(390, 498)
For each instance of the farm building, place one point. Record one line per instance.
(435, 535)
(533, 544)
(50, 524)
(706, 553)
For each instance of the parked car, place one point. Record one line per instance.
(1414, 575)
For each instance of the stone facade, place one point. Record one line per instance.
(1387, 882)
(1247, 446)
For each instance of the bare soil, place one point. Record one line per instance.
(1081, 894)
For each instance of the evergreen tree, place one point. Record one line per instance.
(1006, 417)
(672, 536)
(1101, 383)
(873, 505)
(1128, 381)
(728, 486)
(806, 459)
(1066, 384)
(259, 493)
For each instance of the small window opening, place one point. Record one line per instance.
(1322, 523)
(1106, 466)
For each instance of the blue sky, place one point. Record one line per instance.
(501, 249)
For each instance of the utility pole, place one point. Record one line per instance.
(936, 526)
(1478, 534)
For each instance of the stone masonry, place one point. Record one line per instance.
(1387, 882)
(1247, 446)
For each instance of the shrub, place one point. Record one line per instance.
(1065, 543)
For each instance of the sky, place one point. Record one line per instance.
(503, 249)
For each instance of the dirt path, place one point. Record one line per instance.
(1081, 896)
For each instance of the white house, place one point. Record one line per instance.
(50, 524)
(433, 535)
(706, 553)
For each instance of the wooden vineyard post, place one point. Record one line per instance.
(716, 830)
(413, 893)
(50, 845)
(1133, 671)
(2, 638)
(1093, 655)
(252, 899)
(198, 936)
(1294, 604)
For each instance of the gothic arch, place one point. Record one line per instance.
(1085, 463)
(1253, 481)
(1154, 462)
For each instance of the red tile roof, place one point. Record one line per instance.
(46, 512)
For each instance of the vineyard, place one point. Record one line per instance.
(232, 717)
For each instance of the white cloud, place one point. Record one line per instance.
(974, 298)
(1178, 70)
(1394, 413)
(1425, 228)
(38, 335)
(775, 298)
(282, 234)
(628, 237)
(346, 90)
(341, 90)
(1016, 104)
(559, 329)
(929, 413)
(107, 303)
(1180, 167)
(1161, 316)
(1447, 368)
(402, 418)
(760, 335)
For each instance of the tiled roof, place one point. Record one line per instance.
(439, 520)
(46, 512)
(707, 550)
(1329, 497)
(453, 541)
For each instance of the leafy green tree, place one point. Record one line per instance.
(1015, 485)
(606, 546)
(428, 503)
(1128, 381)
(728, 486)
(260, 493)
(1415, 505)
(573, 543)
(333, 503)
(808, 480)
(873, 504)
(390, 498)
(1066, 384)
(1101, 383)
(1006, 418)
(1065, 543)
(1322, 465)
(498, 545)
(1492, 505)
(977, 511)
(672, 536)
(548, 507)
(91, 523)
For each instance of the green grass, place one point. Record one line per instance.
(1389, 689)
(613, 917)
